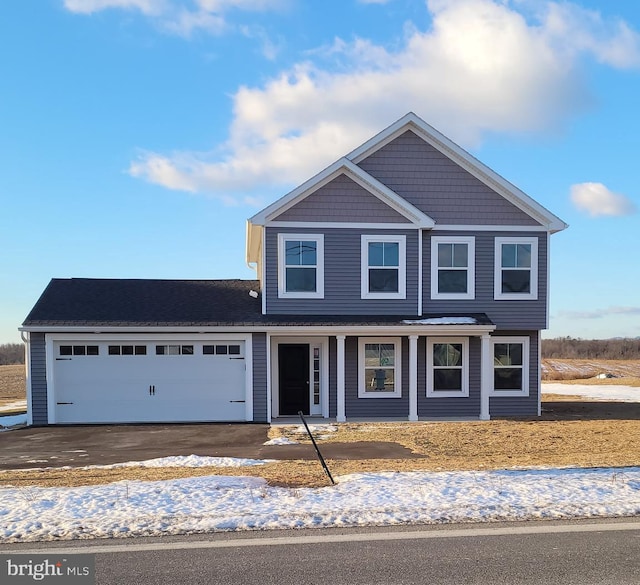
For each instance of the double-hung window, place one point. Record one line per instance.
(516, 269)
(301, 265)
(452, 267)
(379, 368)
(510, 366)
(447, 367)
(383, 271)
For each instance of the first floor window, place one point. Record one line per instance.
(301, 265)
(510, 366)
(516, 268)
(379, 368)
(447, 367)
(383, 267)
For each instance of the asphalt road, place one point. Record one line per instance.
(567, 553)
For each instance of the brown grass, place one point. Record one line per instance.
(584, 371)
(498, 444)
(12, 384)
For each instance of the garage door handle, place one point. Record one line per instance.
(236, 401)
(64, 402)
(152, 390)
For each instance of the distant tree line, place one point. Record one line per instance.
(11, 353)
(591, 349)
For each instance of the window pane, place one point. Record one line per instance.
(221, 350)
(452, 281)
(66, 350)
(293, 254)
(114, 350)
(376, 254)
(160, 349)
(387, 354)
(507, 379)
(301, 280)
(234, 350)
(92, 350)
(308, 251)
(507, 354)
(379, 354)
(141, 350)
(508, 255)
(207, 349)
(187, 350)
(174, 350)
(460, 255)
(447, 354)
(516, 281)
(445, 255)
(379, 379)
(447, 379)
(523, 256)
(383, 280)
(79, 350)
(127, 350)
(391, 254)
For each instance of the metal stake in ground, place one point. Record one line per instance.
(315, 446)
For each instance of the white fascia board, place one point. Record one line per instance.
(344, 166)
(489, 228)
(291, 330)
(467, 161)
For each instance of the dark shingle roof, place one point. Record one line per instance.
(76, 302)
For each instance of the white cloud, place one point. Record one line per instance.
(484, 65)
(176, 17)
(597, 200)
(148, 7)
(599, 314)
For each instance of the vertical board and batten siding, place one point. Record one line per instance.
(468, 406)
(342, 276)
(341, 200)
(505, 314)
(374, 407)
(259, 345)
(520, 405)
(38, 379)
(439, 187)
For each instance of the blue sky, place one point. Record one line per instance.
(138, 135)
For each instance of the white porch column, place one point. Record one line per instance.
(486, 378)
(340, 390)
(413, 377)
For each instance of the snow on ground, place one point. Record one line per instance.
(218, 503)
(6, 422)
(596, 392)
(281, 441)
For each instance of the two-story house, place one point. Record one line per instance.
(406, 280)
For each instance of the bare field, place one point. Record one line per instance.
(626, 372)
(12, 384)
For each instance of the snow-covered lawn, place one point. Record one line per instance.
(218, 503)
(594, 392)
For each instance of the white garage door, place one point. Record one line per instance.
(143, 381)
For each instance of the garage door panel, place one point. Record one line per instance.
(151, 387)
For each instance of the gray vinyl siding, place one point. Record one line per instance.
(512, 314)
(373, 407)
(520, 405)
(259, 344)
(429, 407)
(341, 200)
(342, 276)
(438, 186)
(38, 379)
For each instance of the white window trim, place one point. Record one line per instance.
(524, 391)
(397, 390)
(401, 240)
(464, 392)
(470, 241)
(497, 282)
(282, 288)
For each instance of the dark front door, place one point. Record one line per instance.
(293, 378)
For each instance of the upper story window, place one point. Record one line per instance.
(301, 265)
(379, 368)
(383, 267)
(452, 267)
(447, 367)
(516, 269)
(510, 366)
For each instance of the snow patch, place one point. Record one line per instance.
(604, 392)
(281, 441)
(442, 321)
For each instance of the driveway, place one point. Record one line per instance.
(107, 444)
